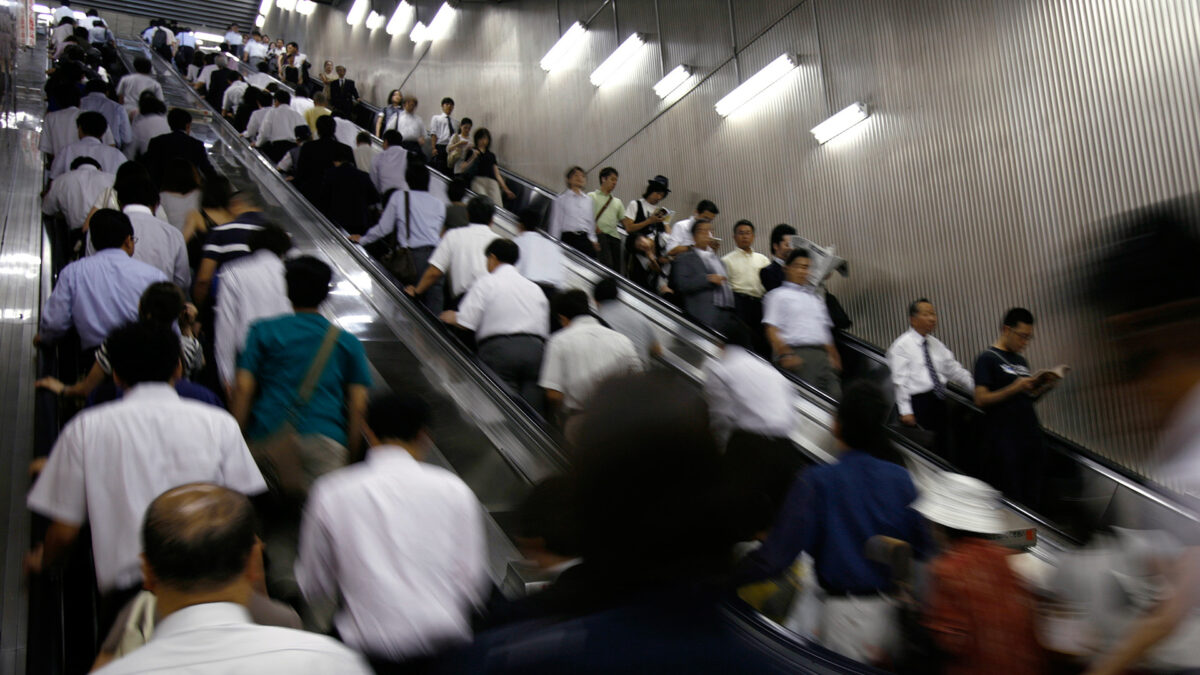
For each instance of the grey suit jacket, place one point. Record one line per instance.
(689, 278)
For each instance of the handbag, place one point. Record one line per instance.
(399, 261)
(279, 456)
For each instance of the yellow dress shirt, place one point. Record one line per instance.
(743, 270)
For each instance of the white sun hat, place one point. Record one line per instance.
(962, 503)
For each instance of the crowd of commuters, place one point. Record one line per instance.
(241, 482)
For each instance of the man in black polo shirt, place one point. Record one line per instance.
(228, 242)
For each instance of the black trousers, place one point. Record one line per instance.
(611, 252)
(932, 415)
(580, 242)
(439, 162)
(750, 310)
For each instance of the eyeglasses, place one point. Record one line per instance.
(1024, 336)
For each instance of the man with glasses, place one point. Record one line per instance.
(799, 329)
(1012, 438)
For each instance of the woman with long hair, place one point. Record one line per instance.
(387, 116)
(481, 165)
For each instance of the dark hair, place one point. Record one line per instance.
(480, 210)
(605, 289)
(447, 100)
(505, 250)
(391, 93)
(393, 138)
(265, 98)
(530, 219)
(399, 416)
(550, 512)
(325, 126)
(283, 97)
(162, 302)
(143, 352)
(734, 331)
(198, 550)
(797, 253)
(573, 170)
(308, 281)
(741, 223)
(134, 185)
(608, 171)
(92, 123)
(96, 85)
(861, 415)
(178, 119)
(293, 44)
(779, 232)
(303, 132)
(343, 153)
(272, 238)
(707, 205)
(465, 120)
(362, 137)
(67, 21)
(456, 190)
(217, 193)
(570, 304)
(109, 228)
(84, 159)
(1017, 315)
(67, 95)
(261, 67)
(179, 176)
(480, 133)
(914, 307)
(417, 176)
(149, 104)
(142, 65)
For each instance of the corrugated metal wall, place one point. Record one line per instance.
(215, 15)
(1002, 133)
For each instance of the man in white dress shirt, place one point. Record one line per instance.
(252, 288)
(400, 542)
(159, 243)
(799, 329)
(278, 132)
(921, 368)
(581, 355)
(461, 253)
(64, 11)
(91, 128)
(626, 321)
(73, 193)
(441, 128)
(508, 314)
(96, 99)
(541, 258)
(573, 216)
(411, 127)
(681, 232)
(111, 461)
(131, 87)
(203, 562)
(59, 128)
(388, 169)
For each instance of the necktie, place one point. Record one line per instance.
(449, 128)
(939, 389)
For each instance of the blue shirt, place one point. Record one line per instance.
(97, 294)
(118, 118)
(278, 353)
(831, 511)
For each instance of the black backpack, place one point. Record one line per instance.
(159, 39)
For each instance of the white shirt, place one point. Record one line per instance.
(442, 128)
(252, 287)
(74, 192)
(364, 155)
(504, 303)
(632, 324)
(98, 33)
(302, 104)
(176, 207)
(906, 359)
(219, 638)
(411, 127)
(745, 392)
(541, 259)
(159, 245)
(254, 50)
(111, 461)
(581, 356)
(109, 157)
(461, 254)
(59, 131)
(387, 171)
(186, 38)
(279, 124)
(132, 86)
(345, 131)
(428, 214)
(254, 124)
(61, 12)
(742, 268)
(572, 212)
(259, 80)
(799, 314)
(233, 95)
(206, 72)
(681, 234)
(233, 39)
(145, 129)
(403, 544)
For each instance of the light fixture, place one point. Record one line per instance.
(440, 26)
(306, 7)
(41, 9)
(260, 21)
(672, 81)
(617, 60)
(78, 16)
(840, 122)
(567, 45)
(419, 33)
(264, 7)
(45, 18)
(358, 12)
(374, 20)
(208, 37)
(757, 84)
(287, 5)
(399, 17)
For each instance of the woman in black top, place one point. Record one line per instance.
(481, 165)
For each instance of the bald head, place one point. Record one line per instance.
(198, 537)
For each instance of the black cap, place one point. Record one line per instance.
(659, 182)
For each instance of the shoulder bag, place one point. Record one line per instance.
(400, 260)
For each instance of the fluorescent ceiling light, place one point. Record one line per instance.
(306, 7)
(45, 18)
(419, 33)
(358, 12)
(617, 60)
(672, 81)
(209, 37)
(440, 26)
(757, 84)
(567, 45)
(42, 9)
(400, 17)
(374, 20)
(264, 7)
(840, 122)
(288, 5)
(78, 15)
(260, 21)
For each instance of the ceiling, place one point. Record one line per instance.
(213, 14)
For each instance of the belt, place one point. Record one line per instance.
(873, 593)
(489, 338)
(807, 346)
